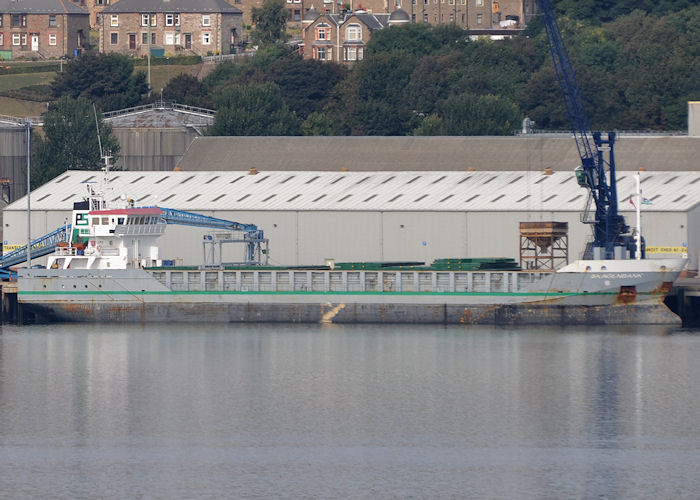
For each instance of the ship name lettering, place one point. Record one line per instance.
(608, 276)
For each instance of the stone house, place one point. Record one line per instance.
(42, 29)
(171, 27)
(94, 7)
(472, 14)
(342, 37)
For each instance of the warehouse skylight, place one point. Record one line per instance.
(269, 197)
(446, 198)
(219, 197)
(338, 179)
(68, 197)
(293, 197)
(262, 179)
(420, 198)
(236, 179)
(243, 197)
(162, 179)
(188, 179)
(137, 179)
(212, 179)
(497, 198)
(319, 198)
(371, 197)
(344, 198)
(472, 198)
(287, 179)
(516, 179)
(389, 179)
(167, 197)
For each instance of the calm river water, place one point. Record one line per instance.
(187, 411)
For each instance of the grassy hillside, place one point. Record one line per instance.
(18, 107)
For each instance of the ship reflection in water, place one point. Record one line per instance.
(266, 411)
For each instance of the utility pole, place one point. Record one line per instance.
(29, 210)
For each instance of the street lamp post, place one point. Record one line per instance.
(29, 190)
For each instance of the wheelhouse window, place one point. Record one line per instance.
(353, 32)
(114, 20)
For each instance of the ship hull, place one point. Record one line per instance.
(627, 295)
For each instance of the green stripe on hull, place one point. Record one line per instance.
(233, 292)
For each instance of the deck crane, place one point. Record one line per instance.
(255, 242)
(610, 231)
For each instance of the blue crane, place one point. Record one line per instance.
(596, 173)
(253, 237)
(41, 246)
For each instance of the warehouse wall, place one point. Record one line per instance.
(298, 238)
(152, 149)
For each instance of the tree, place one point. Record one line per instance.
(70, 141)
(255, 109)
(189, 90)
(270, 22)
(479, 115)
(317, 124)
(306, 84)
(108, 80)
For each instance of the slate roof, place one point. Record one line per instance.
(529, 152)
(365, 191)
(41, 7)
(174, 6)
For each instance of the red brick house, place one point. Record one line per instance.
(200, 27)
(42, 29)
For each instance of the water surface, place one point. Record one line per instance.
(235, 411)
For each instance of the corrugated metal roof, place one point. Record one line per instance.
(361, 191)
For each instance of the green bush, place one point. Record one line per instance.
(13, 68)
(163, 61)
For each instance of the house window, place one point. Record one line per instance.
(114, 20)
(320, 53)
(353, 32)
(206, 38)
(206, 20)
(144, 38)
(425, 17)
(479, 19)
(114, 38)
(15, 38)
(52, 39)
(297, 15)
(353, 53)
(0, 20)
(172, 19)
(19, 21)
(2, 39)
(479, 3)
(145, 18)
(172, 38)
(323, 32)
(24, 39)
(52, 21)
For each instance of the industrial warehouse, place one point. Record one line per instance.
(312, 216)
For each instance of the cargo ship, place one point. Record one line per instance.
(109, 268)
